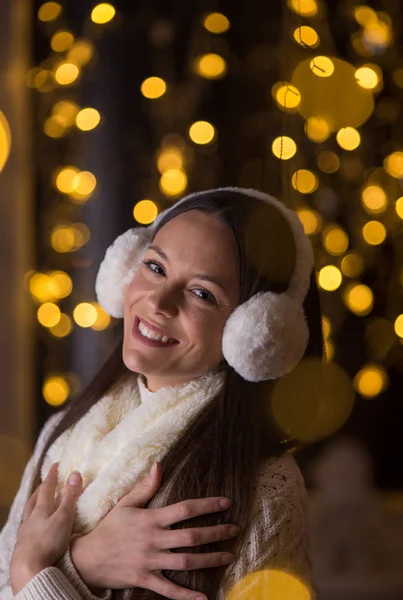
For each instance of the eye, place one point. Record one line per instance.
(210, 297)
(148, 264)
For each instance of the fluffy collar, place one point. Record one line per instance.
(118, 439)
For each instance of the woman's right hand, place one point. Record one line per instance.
(130, 546)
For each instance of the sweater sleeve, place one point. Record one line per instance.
(274, 560)
(60, 582)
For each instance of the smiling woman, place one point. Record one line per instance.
(228, 275)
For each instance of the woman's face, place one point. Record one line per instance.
(173, 293)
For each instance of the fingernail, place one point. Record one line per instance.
(225, 502)
(74, 478)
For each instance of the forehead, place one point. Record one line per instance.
(200, 240)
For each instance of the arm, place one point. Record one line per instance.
(274, 555)
(51, 583)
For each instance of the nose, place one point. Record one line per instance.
(164, 300)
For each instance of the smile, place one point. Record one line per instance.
(149, 337)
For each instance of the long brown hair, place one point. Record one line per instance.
(221, 449)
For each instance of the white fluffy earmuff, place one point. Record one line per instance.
(266, 336)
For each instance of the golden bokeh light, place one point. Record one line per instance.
(398, 77)
(145, 212)
(322, 66)
(87, 119)
(48, 314)
(103, 13)
(394, 164)
(330, 278)
(61, 283)
(311, 220)
(66, 179)
(173, 182)
(66, 73)
(63, 328)
(304, 181)
(364, 15)
(85, 314)
(61, 40)
(317, 129)
(284, 147)
(81, 53)
(358, 298)
(312, 401)
(286, 95)
(399, 207)
(202, 132)
(84, 184)
(336, 97)
(269, 583)
(335, 240)
(103, 320)
(352, 265)
(216, 23)
(49, 11)
(55, 127)
(305, 8)
(348, 138)
(5, 140)
(377, 34)
(371, 380)
(56, 390)
(374, 233)
(398, 326)
(328, 161)
(69, 238)
(66, 111)
(169, 158)
(367, 77)
(211, 66)
(43, 288)
(374, 199)
(326, 327)
(306, 36)
(153, 87)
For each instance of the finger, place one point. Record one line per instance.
(167, 589)
(30, 505)
(182, 561)
(70, 494)
(180, 511)
(144, 489)
(185, 538)
(46, 493)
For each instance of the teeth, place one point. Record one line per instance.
(152, 335)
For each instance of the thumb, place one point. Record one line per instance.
(144, 489)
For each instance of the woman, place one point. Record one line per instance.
(226, 276)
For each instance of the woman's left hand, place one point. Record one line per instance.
(45, 532)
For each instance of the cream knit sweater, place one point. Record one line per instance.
(276, 537)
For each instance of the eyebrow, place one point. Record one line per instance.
(202, 276)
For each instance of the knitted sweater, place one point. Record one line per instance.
(276, 536)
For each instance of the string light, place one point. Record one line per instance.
(202, 132)
(103, 13)
(284, 147)
(216, 23)
(87, 119)
(49, 11)
(153, 87)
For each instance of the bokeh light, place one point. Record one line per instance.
(330, 278)
(48, 314)
(394, 164)
(371, 380)
(311, 220)
(61, 40)
(173, 182)
(374, 232)
(216, 23)
(202, 132)
(398, 326)
(211, 66)
(87, 119)
(328, 161)
(103, 13)
(284, 147)
(49, 11)
(145, 211)
(63, 328)
(85, 314)
(153, 87)
(66, 73)
(269, 583)
(312, 401)
(358, 298)
(352, 265)
(348, 138)
(367, 77)
(5, 140)
(304, 181)
(317, 129)
(81, 53)
(306, 36)
(56, 390)
(335, 240)
(322, 66)
(374, 199)
(305, 8)
(286, 95)
(170, 158)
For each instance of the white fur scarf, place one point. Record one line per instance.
(120, 437)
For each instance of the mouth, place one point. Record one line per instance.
(163, 342)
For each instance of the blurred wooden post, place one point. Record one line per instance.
(16, 254)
